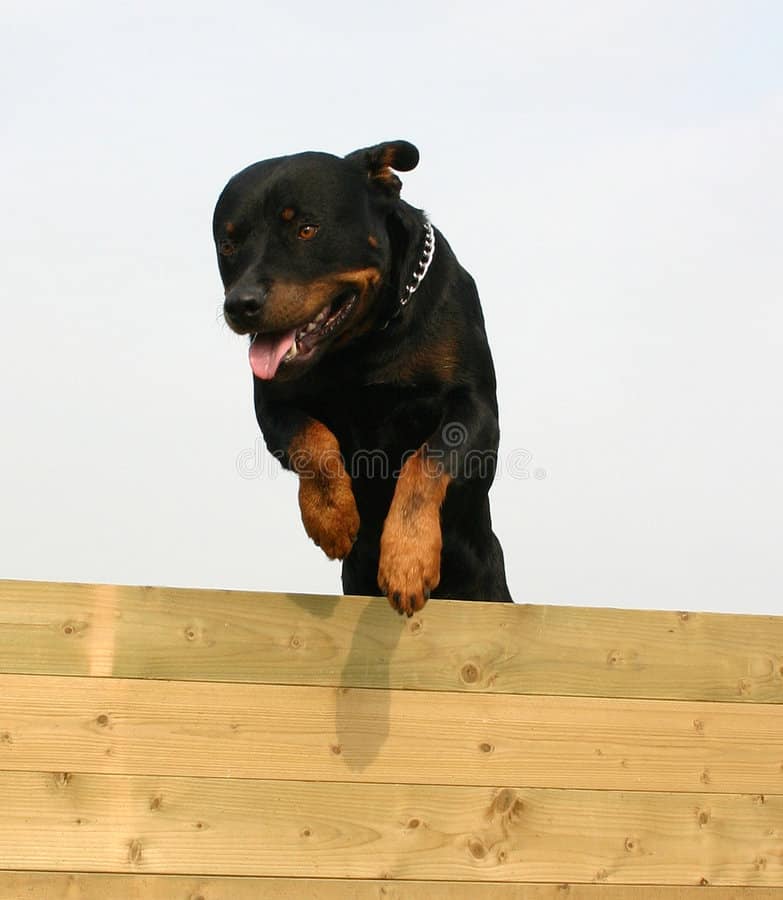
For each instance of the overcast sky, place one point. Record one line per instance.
(610, 173)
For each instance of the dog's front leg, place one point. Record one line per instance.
(308, 447)
(464, 447)
(326, 498)
(411, 541)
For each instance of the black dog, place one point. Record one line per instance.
(373, 377)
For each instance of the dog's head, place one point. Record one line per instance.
(304, 250)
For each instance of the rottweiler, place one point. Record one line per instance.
(372, 374)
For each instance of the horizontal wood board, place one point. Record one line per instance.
(209, 826)
(91, 886)
(110, 725)
(140, 632)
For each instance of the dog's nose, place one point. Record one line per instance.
(243, 306)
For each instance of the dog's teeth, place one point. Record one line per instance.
(292, 351)
(311, 327)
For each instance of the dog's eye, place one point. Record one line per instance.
(307, 232)
(227, 248)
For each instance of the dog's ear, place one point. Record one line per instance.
(379, 161)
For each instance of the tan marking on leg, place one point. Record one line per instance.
(411, 542)
(326, 498)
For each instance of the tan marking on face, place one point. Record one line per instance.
(290, 304)
(230, 227)
(373, 242)
(287, 214)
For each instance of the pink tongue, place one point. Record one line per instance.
(266, 351)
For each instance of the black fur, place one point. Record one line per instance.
(426, 379)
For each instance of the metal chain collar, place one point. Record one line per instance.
(422, 267)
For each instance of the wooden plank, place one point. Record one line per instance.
(50, 628)
(412, 737)
(90, 886)
(112, 823)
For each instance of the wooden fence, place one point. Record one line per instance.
(211, 745)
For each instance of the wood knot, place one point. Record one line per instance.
(477, 848)
(63, 779)
(102, 720)
(135, 852)
(470, 673)
(759, 799)
(336, 749)
(416, 626)
(72, 627)
(601, 875)
(683, 616)
(698, 724)
(704, 882)
(704, 818)
(704, 778)
(414, 823)
(614, 657)
(486, 747)
(504, 801)
(156, 803)
(295, 642)
(5, 737)
(306, 833)
(631, 845)
(190, 633)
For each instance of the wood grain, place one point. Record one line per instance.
(90, 886)
(129, 726)
(143, 825)
(136, 632)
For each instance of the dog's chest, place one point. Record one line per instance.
(379, 418)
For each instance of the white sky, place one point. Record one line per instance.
(610, 173)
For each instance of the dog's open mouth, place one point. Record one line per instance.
(270, 351)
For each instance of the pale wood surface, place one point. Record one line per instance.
(275, 745)
(49, 628)
(114, 823)
(56, 886)
(338, 734)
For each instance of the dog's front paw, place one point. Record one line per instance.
(409, 566)
(329, 513)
